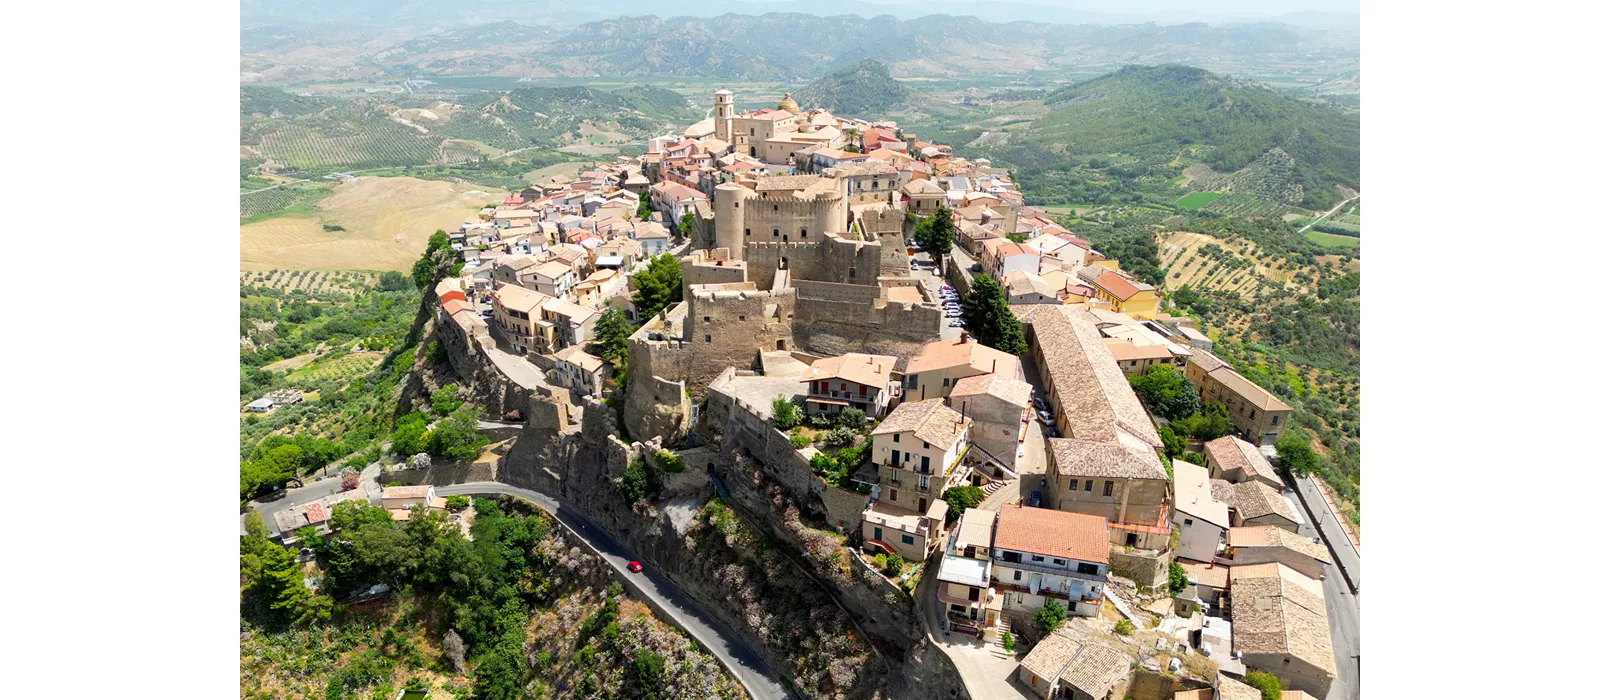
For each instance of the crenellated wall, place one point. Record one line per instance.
(833, 319)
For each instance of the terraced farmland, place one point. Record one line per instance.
(377, 144)
(1204, 262)
(297, 196)
(312, 281)
(343, 368)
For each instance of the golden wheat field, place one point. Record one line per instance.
(386, 221)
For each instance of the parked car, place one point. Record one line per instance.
(1035, 499)
(635, 567)
(1045, 416)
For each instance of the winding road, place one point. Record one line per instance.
(758, 679)
(1327, 213)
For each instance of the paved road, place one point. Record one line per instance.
(987, 676)
(1334, 536)
(758, 678)
(306, 494)
(1344, 606)
(1325, 214)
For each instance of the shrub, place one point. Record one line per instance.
(853, 418)
(1268, 684)
(799, 441)
(1177, 578)
(1123, 627)
(457, 502)
(818, 421)
(893, 565)
(669, 463)
(349, 481)
(446, 399)
(1009, 642)
(880, 561)
(785, 414)
(960, 498)
(1049, 617)
(840, 437)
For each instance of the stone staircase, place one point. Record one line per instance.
(998, 648)
(993, 486)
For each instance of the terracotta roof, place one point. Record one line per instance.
(1049, 657)
(858, 368)
(418, 491)
(1074, 457)
(930, 421)
(1271, 536)
(1248, 390)
(1230, 689)
(1094, 396)
(1123, 350)
(1253, 499)
(315, 513)
(1012, 391)
(944, 354)
(1297, 695)
(1095, 669)
(573, 312)
(786, 182)
(1053, 533)
(1206, 361)
(519, 299)
(1205, 574)
(1231, 452)
(1279, 611)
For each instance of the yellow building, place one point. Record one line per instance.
(1135, 299)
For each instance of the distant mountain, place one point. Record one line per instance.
(1157, 114)
(860, 89)
(774, 47)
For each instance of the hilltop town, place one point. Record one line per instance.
(973, 426)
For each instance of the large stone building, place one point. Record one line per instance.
(1280, 624)
(1259, 415)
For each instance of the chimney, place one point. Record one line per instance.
(963, 338)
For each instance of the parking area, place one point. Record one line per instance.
(941, 293)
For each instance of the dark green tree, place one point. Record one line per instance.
(937, 234)
(410, 435)
(686, 224)
(281, 586)
(1177, 578)
(989, 317)
(647, 676)
(1210, 423)
(1295, 454)
(644, 205)
(785, 415)
(660, 285)
(960, 499)
(456, 438)
(611, 333)
(1049, 617)
(497, 677)
(446, 399)
(1166, 391)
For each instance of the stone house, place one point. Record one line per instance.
(553, 278)
(1255, 503)
(1041, 554)
(563, 324)
(1259, 415)
(1202, 520)
(1126, 486)
(579, 372)
(1064, 665)
(998, 409)
(515, 312)
(852, 380)
(919, 450)
(1233, 460)
(1138, 359)
(934, 371)
(1280, 624)
(1001, 257)
(1209, 579)
(399, 500)
(1265, 544)
(653, 238)
(922, 196)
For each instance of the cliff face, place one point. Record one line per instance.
(742, 530)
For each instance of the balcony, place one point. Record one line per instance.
(1045, 568)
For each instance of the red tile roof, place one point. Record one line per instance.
(1053, 533)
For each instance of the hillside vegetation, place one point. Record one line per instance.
(1127, 137)
(856, 90)
(1283, 310)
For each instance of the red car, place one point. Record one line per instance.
(635, 567)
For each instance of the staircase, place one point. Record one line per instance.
(998, 648)
(993, 486)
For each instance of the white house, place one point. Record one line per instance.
(1202, 520)
(1042, 554)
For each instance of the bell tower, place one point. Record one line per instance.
(724, 112)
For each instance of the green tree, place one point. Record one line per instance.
(989, 318)
(1049, 617)
(1172, 445)
(784, 413)
(446, 399)
(1295, 454)
(391, 281)
(1167, 392)
(281, 586)
(647, 676)
(639, 481)
(660, 285)
(611, 333)
(1210, 423)
(252, 547)
(1268, 684)
(937, 234)
(457, 502)
(644, 205)
(686, 224)
(435, 261)
(853, 418)
(1123, 627)
(410, 435)
(497, 677)
(456, 437)
(1177, 578)
(960, 499)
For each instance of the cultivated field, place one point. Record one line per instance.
(386, 224)
(558, 170)
(310, 280)
(1332, 240)
(1195, 200)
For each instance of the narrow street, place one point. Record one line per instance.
(1344, 605)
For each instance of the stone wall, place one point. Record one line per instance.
(833, 319)
(467, 348)
(443, 475)
(1142, 566)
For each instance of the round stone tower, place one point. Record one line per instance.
(727, 201)
(724, 112)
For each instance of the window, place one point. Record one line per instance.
(908, 539)
(1016, 575)
(747, 232)
(1059, 562)
(1072, 485)
(1188, 521)
(802, 233)
(972, 593)
(1252, 413)
(1036, 557)
(897, 437)
(741, 317)
(924, 459)
(708, 337)
(1010, 556)
(877, 534)
(1088, 486)
(707, 319)
(1108, 488)
(1275, 419)
(922, 482)
(774, 233)
(894, 494)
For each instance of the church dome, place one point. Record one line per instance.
(788, 104)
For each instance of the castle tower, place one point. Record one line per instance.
(726, 201)
(724, 107)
